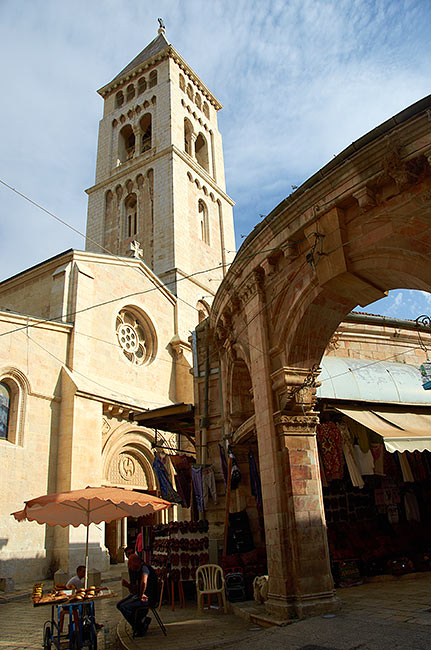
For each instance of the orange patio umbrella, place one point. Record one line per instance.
(87, 506)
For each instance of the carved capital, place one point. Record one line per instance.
(254, 284)
(295, 388)
(401, 172)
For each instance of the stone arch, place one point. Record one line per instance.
(188, 136)
(146, 132)
(201, 151)
(126, 143)
(18, 387)
(133, 443)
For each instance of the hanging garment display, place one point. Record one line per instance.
(347, 445)
(411, 507)
(329, 439)
(256, 488)
(223, 463)
(198, 487)
(365, 461)
(208, 485)
(239, 537)
(235, 474)
(405, 467)
(166, 488)
(183, 478)
(376, 449)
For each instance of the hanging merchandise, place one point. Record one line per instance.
(376, 449)
(223, 463)
(365, 461)
(166, 488)
(208, 485)
(347, 443)
(183, 478)
(198, 487)
(405, 467)
(329, 439)
(256, 488)
(235, 475)
(411, 507)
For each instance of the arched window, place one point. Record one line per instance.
(131, 215)
(130, 92)
(126, 145)
(142, 85)
(5, 405)
(119, 99)
(204, 223)
(198, 100)
(190, 91)
(188, 131)
(201, 152)
(182, 82)
(153, 78)
(146, 132)
(206, 110)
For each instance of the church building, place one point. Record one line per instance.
(89, 337)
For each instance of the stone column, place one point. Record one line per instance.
(300, 581)
(309, 584)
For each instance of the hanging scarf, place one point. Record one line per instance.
(256, 488)
(223, 463)
(166, 488)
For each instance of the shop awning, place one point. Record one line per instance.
(400, 430)
(174, 418)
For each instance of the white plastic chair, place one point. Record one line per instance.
(210, 580)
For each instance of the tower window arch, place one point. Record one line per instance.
(188, 132)
(201, 152)
(5, 406)
(198, 100)
(182, 82)
(142, 85)
(131, 211)
(145, 125)
(153, 78)
(130, 92)
(126, 145)
(206, 110)
(204, 222)
(190, 91)
(119, 99)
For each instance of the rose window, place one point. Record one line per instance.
(134, 336)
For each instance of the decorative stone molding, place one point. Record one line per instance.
(295, 388)
(254, 284)
(365, 198)
(295, 425)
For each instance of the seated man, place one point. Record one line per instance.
(143, 592)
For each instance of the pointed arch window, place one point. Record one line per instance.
(190, 91)
(153, 78)
(5, 405)
(130, 92)
(126, 145)
(145, 125)
(201, 152)
(188, 131)
(198, 100)
(182, 83)
(204, 222)
(206, 110)
(142, 85)
(119, 99)
(131, 206)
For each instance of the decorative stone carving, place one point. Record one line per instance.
(296, 425)
(295, 388)
(126, 467)
(365, 198)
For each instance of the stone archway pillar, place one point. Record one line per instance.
(300, 581)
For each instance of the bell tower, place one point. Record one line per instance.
(160, 175)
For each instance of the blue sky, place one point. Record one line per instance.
(299, 81)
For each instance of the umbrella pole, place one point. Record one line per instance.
(86, 547)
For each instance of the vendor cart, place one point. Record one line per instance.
(81, 629)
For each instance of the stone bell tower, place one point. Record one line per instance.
(160, 175)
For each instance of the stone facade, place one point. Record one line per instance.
(358, 228)
(89, 337)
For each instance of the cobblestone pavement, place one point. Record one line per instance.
(388, 615)
(21, 624)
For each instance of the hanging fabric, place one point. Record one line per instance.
(365, 461)
(183, 479)
(329, 439)
(256, 488)
(198, 487)
(405, 468)
(166, 488)
(223, 463)
(347, 445)
(208, 485)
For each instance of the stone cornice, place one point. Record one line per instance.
(168, 52)
(20, 320)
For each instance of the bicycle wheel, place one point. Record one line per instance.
(47, 637)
